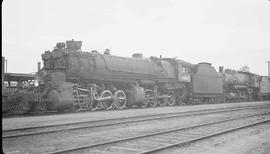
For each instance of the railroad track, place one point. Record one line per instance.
(37, 130)
(157, 141)
(48, 113)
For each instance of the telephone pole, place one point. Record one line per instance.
(3, 73)
(268, 68)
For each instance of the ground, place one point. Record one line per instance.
(255, 140)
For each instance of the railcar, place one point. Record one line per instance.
(236, 86)
(83, 80)
(103, 81)
(264, 90)
(207, 85)
(253, 85)
(245, 86)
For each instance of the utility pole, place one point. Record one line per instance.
(3, 73)
(268, 68)
(6, 66)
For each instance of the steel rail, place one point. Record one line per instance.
(48, 113)
(83, 147)
(200, 138)
(111, 122)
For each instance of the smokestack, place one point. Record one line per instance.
(38, 66)
(220, 69)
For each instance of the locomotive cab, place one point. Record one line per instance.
(182, 72)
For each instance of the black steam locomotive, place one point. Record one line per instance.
(73, 79)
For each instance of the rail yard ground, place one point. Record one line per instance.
(144, 130)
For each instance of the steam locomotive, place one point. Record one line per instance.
(244, 86)
(78, 80)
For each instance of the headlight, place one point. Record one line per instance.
(36, 83)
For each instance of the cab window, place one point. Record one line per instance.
(185, 69)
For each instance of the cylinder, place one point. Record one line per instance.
(60, 98)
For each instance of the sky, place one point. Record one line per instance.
(229, 33)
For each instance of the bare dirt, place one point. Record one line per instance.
(255, 140)
(56, 141)
(20, 122)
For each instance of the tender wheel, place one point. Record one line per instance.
(171, 99)
(120, 99)
(106, 104)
